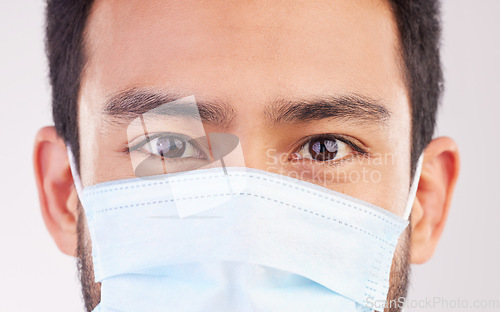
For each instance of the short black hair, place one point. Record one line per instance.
(65, 48)
(419, 28)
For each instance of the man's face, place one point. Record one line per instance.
(289, 75)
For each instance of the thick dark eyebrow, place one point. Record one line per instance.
(351, 108)
(130, 104)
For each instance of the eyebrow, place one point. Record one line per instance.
(133, 103)
(352, 108)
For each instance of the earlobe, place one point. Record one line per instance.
(57, 195)
(437, 181)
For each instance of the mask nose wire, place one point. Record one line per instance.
(413, 188)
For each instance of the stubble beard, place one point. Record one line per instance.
(91, 291)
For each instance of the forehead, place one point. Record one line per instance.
(242, 50)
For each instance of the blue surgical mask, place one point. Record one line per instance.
(238, 240)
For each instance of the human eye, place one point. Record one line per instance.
(329, 148)
(171, 147)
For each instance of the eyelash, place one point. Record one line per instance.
(143, 142)
(358, 151)
(331, 136)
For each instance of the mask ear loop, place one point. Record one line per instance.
(76, 177)
(413, 188)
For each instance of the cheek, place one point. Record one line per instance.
(391, 191)
(381, 185)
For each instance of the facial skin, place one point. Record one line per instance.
(249, 58)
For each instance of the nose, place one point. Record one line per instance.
(257, 152)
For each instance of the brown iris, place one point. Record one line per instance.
(323, 149)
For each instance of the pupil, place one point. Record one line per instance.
(170, 147)
(323, 149)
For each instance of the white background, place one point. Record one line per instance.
(35, 276)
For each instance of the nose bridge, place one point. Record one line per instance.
(255, 149)
(255, 138)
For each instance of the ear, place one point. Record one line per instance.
(435, 189)
(56, 191)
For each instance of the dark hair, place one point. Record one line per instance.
(419, 29)
(419, 26)
(65, 26)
